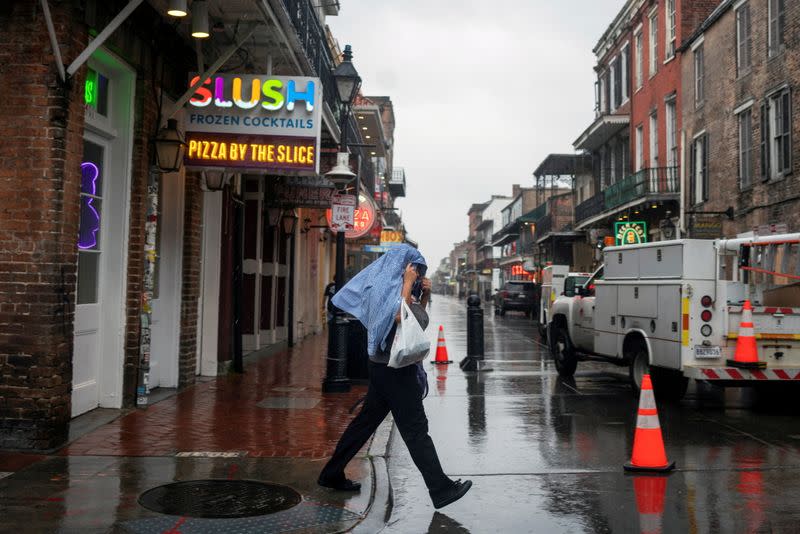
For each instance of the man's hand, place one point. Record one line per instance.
(410, 276)
(426, 286)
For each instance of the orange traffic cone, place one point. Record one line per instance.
(649, 491)
(441, 379)
(441, 350)
(648, 445)
(746, 356)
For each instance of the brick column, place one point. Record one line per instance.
(192, 254)
(40, 157)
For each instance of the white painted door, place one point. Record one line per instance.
(166, 318)
(102, 239)
(88, 310)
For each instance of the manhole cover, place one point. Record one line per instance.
(219, 498)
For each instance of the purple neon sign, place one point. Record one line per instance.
(90, 218)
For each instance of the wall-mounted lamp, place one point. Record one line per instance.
(177, 8)
(274, 216)
(289, 222)
(216, 179)
(170, 147)
(200, 19)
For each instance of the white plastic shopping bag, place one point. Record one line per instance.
(410, 343)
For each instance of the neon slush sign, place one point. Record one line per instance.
(268, 92)
(270, 123)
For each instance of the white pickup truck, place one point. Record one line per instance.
(673, 308)
(556, 280)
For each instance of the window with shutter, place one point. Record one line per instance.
(653, 54)
(699, 76)
(745, 148)
(778, 134)
(705, 176)
(692, 172)
(765, 155)
(776, 24)
(743, 40)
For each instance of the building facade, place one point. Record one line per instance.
(635, 139)
(740, 74)
(116, 277)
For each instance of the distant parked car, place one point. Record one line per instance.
(517, 295)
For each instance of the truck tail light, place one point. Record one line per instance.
(706, 315)
(706, 330)
(706, 301)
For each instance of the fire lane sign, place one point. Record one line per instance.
(343, 209)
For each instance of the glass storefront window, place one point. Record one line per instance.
(91, 200)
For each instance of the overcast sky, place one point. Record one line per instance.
(482, 92)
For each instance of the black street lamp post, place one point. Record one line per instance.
(348, 83)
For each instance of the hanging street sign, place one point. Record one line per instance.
(257, 122)
(343, 209)
(364, 218)
(630, 232)
(299, 192)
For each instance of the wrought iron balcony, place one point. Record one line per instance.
(590, 207)
(397, 182)
(315, 45)
(544, 226)
(644, 183)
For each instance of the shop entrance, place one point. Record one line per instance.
(266, 271)
(102, 239)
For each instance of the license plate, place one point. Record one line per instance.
(701, 352)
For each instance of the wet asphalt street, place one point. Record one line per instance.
(546, 455)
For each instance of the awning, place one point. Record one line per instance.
(508, 234)
(602, 129)
(551, 235)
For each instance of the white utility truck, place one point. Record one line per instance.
(673, 309)
(556, 280)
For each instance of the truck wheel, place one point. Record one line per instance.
(668, 384)
(563, 352)
(640, 366)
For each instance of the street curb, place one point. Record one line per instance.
(380, 507)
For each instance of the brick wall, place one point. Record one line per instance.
(763, 202)
(40, 158)
(192, 254)
(43, 126)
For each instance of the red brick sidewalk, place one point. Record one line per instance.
(222, 415)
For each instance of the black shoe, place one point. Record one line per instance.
(342, 485)
(450, 494)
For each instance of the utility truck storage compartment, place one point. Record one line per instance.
(682, 258)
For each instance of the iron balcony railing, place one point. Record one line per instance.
(590, 207)
(544, 226)
(315, 45)
(658, 180)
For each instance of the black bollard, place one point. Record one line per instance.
(336, 380)
(474, 360)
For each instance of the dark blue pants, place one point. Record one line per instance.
(397, 391)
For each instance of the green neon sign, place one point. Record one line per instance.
(90, 89)
(630, 232)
